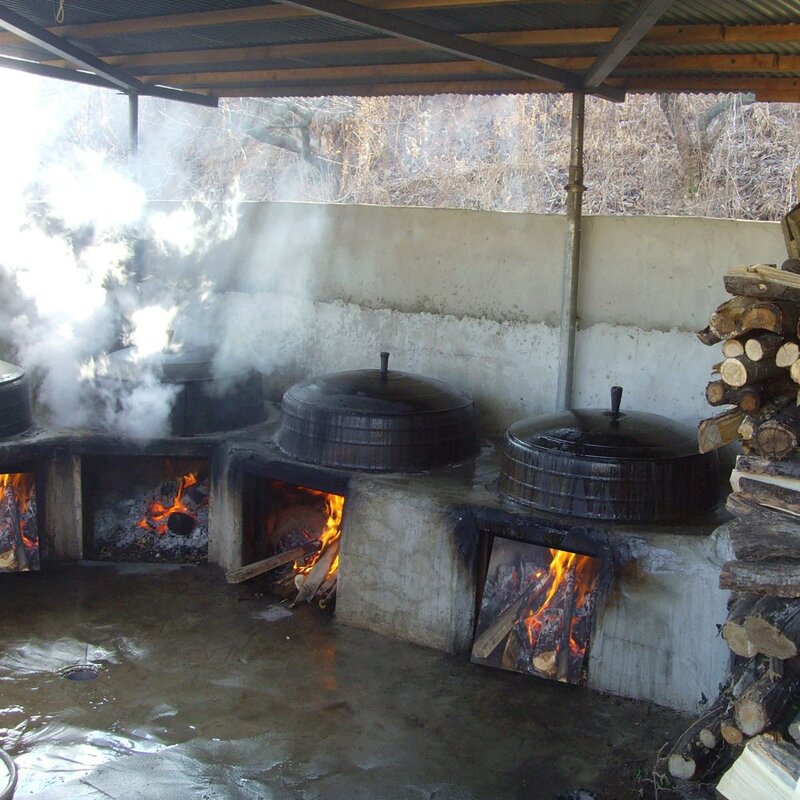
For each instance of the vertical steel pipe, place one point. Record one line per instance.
(572, 256)
(133, 125)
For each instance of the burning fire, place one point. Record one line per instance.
(18, 521)
(329, 538)
(156, 518)
(572, 580)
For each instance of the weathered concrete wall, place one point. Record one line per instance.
(657, 636)
(474, 298)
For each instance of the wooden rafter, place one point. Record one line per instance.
(708, 65)
(665, 34)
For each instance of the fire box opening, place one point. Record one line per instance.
(292, 535)
(145, 508)
(19, 525)
(537, 611)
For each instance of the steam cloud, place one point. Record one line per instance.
(89, 265)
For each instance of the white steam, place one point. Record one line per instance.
(90, 265)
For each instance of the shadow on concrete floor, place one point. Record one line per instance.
(212, 691)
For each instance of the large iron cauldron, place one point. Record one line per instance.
(207, 400)
(609, 465)
(377, 420)
(16, 415)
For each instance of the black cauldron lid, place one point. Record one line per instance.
(612, 434)
(10, 372)
(176, 364)
(378, 392)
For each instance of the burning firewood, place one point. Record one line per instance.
(318, 573)
(257, 568)
(488, 641)
(11, 518)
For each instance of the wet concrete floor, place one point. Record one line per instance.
(212, 691)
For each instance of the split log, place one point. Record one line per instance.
(794, 371)
(773, 627)
(771, 315)
(766, 770)
(718, 431)
(761, 346)
(760, 533)
(490, 638)
(249, 571)
(734, 632)
(12, 517)
(690, 753)
(778, 578)
(768, 469)
(731, 348)
(748, 428)
(707, 337)
(779, 437)
(787, 354)
(741, 370)
(317, 574)
(763, 281)
(544, 658)
(562, 662)
(762, 704)
(724, 322)
(770, 495)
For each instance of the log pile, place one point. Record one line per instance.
(757, 379)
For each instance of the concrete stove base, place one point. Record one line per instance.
(408, 557)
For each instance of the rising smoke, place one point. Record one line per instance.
(91, 262)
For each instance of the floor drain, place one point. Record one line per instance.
(81, 672)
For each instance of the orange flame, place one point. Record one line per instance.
(583, 571)
(22, 487)
(334, 507)
(158, 513)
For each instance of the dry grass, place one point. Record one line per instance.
(722, 156)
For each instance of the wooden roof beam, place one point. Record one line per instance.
(764, 63)
(644, 17)
(667, 34)
(116, 77)
(394, 25)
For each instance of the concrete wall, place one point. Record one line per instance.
(474, 298)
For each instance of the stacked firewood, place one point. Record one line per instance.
(758, 378)
(759, 373)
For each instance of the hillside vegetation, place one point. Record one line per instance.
(721, 156)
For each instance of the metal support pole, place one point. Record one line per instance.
(133, 125)
(572, 256)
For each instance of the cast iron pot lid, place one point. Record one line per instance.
(10, 372)
(175, 364)
(607, 435)
(378, 391)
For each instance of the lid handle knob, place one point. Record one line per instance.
(384, 363)
(616, 400)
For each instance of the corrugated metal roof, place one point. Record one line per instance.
(227, 47)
